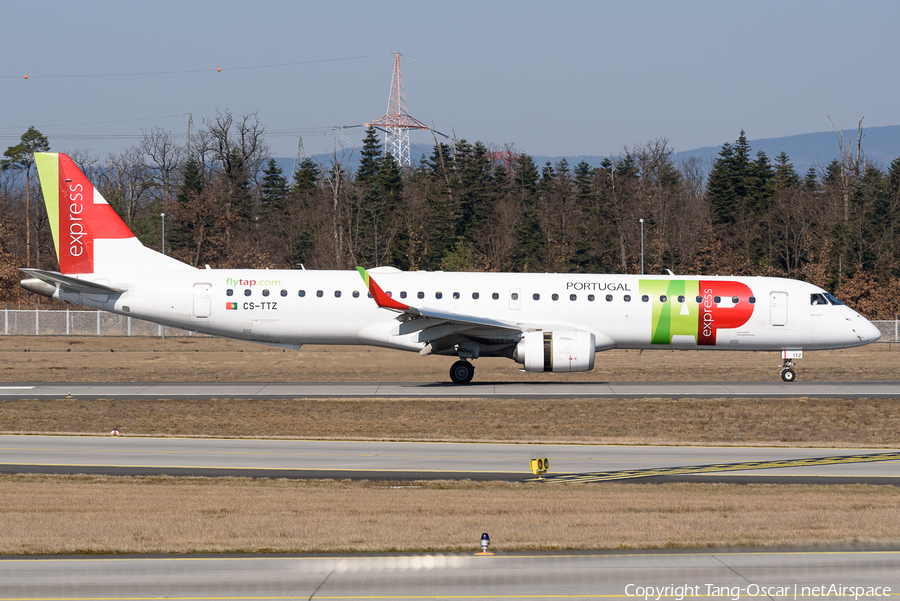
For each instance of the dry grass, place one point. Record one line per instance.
(770, 422)
(168, 515)
(88, 359)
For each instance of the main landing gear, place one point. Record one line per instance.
(462, 372)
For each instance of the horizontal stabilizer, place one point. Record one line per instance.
(69, 283)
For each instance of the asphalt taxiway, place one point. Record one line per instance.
(432, 461)
(523, 390)
(760, 573)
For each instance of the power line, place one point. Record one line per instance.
(519, 104)
(186, 71)
(17, 127)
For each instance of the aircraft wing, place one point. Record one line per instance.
(433, 316)
(68, 282)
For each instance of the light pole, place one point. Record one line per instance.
(642, 247)
(163, 216)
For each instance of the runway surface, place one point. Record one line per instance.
(427, 461)
(627, 575)
(281, 390)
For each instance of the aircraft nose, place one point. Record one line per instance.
(869, 332)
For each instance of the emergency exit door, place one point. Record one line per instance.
(202, 300)
(778, 302)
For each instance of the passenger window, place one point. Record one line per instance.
(356, 294)
(555, 297)
(609, 298)
(536, 296)
(246, 292)
(265, 292)
(390, 294)
(699, 300)
(284, 293)
(573, 297)
(456, 295)
(752, 300)
(301, 293)
(717, 299)
(817, 299)
(663, 298)
(369, 294)
(680, 299)
(645, 298)
(438, 295)
(515, 296)
(320, 294)
(421, 295)
(402, 294)
(591, 297)
(495, 296)
(475, 295)
(735, 299)
(627, 298)
(337, 294)
(229, 292)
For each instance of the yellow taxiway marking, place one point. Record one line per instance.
(253, 468)
(722, 467)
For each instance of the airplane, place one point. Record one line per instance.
(547, 322)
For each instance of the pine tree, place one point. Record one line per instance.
(720, 186)
(274, 190)
(307, 176)
(21, 156)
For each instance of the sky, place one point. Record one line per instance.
(564, 78)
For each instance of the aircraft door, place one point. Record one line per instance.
(202, 300)
(778, 302)
(515, 298)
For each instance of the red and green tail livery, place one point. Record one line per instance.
(79, 215)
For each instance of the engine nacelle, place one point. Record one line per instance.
(561, 350)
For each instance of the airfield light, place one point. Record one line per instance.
(485, 543)
(539, 466)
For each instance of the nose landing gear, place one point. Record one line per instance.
(788, 374)
(462, 372)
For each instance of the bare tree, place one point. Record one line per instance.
(163, 160)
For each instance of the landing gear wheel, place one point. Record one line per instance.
(788, 375)
(462, 372)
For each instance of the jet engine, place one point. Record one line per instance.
(560, 350)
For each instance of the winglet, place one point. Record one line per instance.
(381, 299)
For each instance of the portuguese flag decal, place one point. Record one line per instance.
(231, 306)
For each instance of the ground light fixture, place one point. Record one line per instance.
(485, 543)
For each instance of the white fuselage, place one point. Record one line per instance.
(291, 308)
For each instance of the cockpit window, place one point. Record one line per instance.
(817, 299)
(832, 299)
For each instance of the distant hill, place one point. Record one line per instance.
(880, 144)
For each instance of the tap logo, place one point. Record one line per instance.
(697, 308)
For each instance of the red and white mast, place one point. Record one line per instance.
(397, 122)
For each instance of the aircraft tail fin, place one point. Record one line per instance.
(88, 234)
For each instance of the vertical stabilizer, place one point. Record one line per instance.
(88, 234)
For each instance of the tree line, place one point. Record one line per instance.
(229, 205)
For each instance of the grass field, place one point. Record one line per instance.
(203, 359)
(88, 514)
(768, 422)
